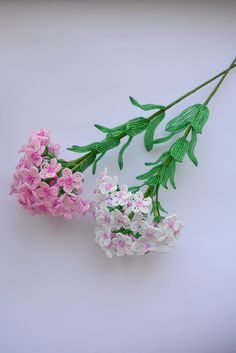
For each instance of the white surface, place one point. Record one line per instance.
(67, 66)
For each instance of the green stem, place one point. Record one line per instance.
(77, 162)
(225, 72)
(220, 82)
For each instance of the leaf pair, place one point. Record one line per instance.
(161, 174)
(153, 123)
(195, 115)
(168, 173)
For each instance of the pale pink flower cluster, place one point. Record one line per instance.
(41, 183)
(123, 221)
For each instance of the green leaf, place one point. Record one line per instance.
(199, 120)
(149, 174)
(82, 149)
(136, 126)
(160, 159)
(145, 107)
(164, 175)
(172, 168)
(102, 128)
(134, 189)
(87, 162)
(179, 148)
(191, 147)
(108, 143)
(164, 139)
(181, 121)
(96, 162)
(148, 137)
(123, 148)
(153, 181)
(118, 129)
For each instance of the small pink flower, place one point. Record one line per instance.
(42, 135)
(30, 177)
(34, 152)
(50, 170)
(26, 197)
(83, 206)
(46, 193)
(70, 181)
(54, 148)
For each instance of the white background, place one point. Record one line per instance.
(68, 65)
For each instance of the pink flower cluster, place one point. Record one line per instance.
(42, 184)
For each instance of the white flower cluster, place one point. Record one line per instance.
(123, 227)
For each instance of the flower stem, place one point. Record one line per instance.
(223, 73)
(219, 83)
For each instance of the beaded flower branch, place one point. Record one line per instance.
(129, 222)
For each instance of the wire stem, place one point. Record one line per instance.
(220, 82)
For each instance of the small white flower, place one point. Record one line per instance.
(170, 226)
(104, 217)
(121, 197)
(136, 221)
(122, 243)
(103, 236)
(108, 185)
(143, 245)
(140, 204)
(102, 176)
(151, 232)
(120, 220)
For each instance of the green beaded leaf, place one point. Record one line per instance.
(108, 143)
(160, 159)
(181, 121)
(153, 181)
(148, 137)
(164, 176)
(179, 148)
(96, 162)
(145, 107)
(87, 162)
(123, 148)
(134, 189)
(164, 139)
(191, 147)
(136, 126)
(172, 168)
(200, 119)
(102, 128)
(82, 149)
(149, 174)
(117, 130)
